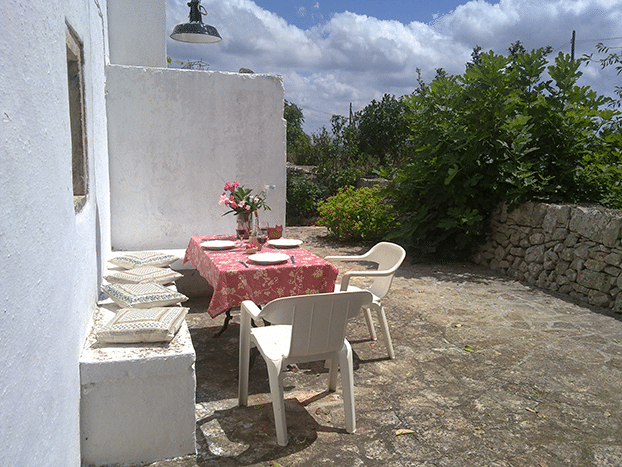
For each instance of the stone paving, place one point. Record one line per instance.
(489, 371)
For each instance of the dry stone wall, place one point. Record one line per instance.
(575, 250)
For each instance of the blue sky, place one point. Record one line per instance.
(335, 53)
(307, 13)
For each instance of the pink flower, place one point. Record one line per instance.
(234, 205)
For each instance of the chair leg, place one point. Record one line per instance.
(278, 401)
(333, 373)
(347, 385)
(244, 358)
(384, 325)
(370, 323)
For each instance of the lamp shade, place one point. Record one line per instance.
(195, 32)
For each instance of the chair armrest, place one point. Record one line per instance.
(345, 281)
(248, 306)
(348, 258)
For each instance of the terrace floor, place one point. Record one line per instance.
(488, 372)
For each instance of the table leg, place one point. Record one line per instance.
(226, 323)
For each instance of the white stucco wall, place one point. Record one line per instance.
(137, 32)
(176, 137)
(49, 275)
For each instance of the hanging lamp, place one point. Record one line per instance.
(195, 31)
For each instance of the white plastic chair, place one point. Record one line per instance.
(389, 257)
(303, 329)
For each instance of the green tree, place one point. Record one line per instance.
(612, 59)
(383, 130)
(500, 132)
(298, 142)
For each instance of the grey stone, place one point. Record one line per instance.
(517, 251)
(536, 238)
(559, 234)
(611, 234)
(561, 267)
(582, 251)
(598, 298)
(571, 274)
(501, 238)
(615, 259)
(571, 239)
(567, 254)
(535, 254)
(499, 253)
(594, 280)
(577, 264)
(594, 265)
(522, 215)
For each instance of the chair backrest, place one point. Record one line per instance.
(389, 257)
(318, 321)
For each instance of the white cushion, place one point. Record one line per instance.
(142, 295)
(131, 325)
(137, 259)
(144, 274)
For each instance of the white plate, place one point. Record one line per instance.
(285, 243)
(268, 258)
(218, 244)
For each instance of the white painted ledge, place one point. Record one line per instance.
(137, 401)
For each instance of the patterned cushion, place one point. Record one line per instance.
(144, 274)
(143, 258)
(142, 295)
(131, 325)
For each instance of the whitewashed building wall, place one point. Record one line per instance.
(51, 255)
(160, 164)
(176, 137)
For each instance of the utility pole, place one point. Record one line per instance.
(572, 46)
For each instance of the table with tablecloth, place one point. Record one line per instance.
(234, 282)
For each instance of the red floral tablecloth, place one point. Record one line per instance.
(234, 283)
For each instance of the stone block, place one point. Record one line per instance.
(571, 239)
(522, 214)
(535, 254)
(559, 234)
(571, 274)
(501, 238)
(561, 267)
(582, 251)
(594, 265)
(565, 289)
(499, 253)
(516, 251)
(537, 238)
(535, 269)
(596, 225)
(556, 216)
(598, 298)
(594, 280)
(614, 259)
(567, 254)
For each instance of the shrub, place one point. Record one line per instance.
(500, 132)
(303, 197)
(359, 214)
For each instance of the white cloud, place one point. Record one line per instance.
(357, 58)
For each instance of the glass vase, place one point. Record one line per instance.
(244, 223)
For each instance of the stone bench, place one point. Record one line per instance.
(137, 400)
